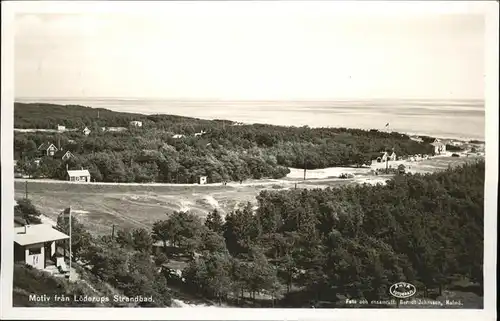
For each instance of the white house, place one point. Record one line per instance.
(200, 133)
(202, 180)
(136, 123)
(81, 175)
(439, 147)
(86, 131)
(176, 136)
(455, 143)
(47, 149)
(61, 128)
(384, 157)
(35, 245)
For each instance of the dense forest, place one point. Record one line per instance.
(220, 150)
(303, 247)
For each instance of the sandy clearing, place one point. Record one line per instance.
(211, 201)
(297, 173)
(47, 220)
(79, 211)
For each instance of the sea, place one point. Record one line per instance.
(454, 119)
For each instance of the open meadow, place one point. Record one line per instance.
(101, 205)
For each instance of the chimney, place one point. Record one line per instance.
(82, 168)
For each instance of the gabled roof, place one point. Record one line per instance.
(78, 173)
(61, 153)
(39, 233)
(46, 146)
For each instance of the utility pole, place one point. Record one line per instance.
(26, 189)
(304, 167)
(387, 165)
(70, 252)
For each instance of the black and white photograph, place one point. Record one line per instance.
(271, 156)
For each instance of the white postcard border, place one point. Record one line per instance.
(489, 8)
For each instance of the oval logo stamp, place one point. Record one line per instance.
(402, 290)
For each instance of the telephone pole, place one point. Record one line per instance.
(304, 167)
(70, 252)
(26, 189)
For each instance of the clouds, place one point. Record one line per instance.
(249, 55)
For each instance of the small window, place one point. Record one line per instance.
(35, 250)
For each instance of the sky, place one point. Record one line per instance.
(241, 54)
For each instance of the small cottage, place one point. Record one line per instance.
(64, 155)
(202, 180)
(136, 123)
(61, 128)
(86, 131)
(47, 149)
(200, 133)
(385, 156)
(439, 147)
(82, 175)
(35, 245)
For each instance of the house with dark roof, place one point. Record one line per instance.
(47, 149)
(64, 155)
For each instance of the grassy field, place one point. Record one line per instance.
(100, 206)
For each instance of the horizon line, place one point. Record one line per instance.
(244, 100)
